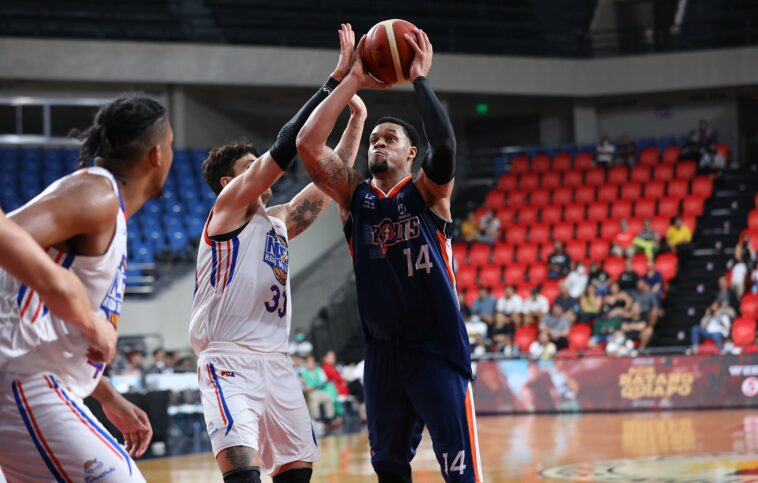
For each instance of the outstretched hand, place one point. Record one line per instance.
(361, 74)
(347, 47)
(422, 61)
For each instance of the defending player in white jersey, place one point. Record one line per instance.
(253, 403)
(46, 431)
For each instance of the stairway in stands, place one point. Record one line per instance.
(719, 228)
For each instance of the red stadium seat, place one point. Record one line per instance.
(607, 193)
(515, 234)
(614, 266)
(660, 225)
(584, 194)
(693, 205)
(516, 198)
(663, 172)
(583, 160)
(749, 306)
(506, 216)
(708, 348)
(562, 196)
(618, 175)
(644, 208)
(752, 220)
(751, 349)
(529, 181)
(524, 336)
(671, 154)
(537, 273)
(667, 263)
(479, 254)
(586, 230)
(621, 209)
(550, 214)
(639, 264)
(631, 191)
(538, 233)
(460, 252)
(490, 275)
(527, 215)
(686, 170)
(597, 211)
(634, 224)
(594, 176)
(498, 291)
(579, 336)
(550, 290)
(723, 149)
(507, 182)
(608, 231)
(640, 174)
(502, 254)
(515, 274)
(573, 178)
(690, 222)
(743, 331)
(599, 251)
(540, 197)
(524, 290)
(545, 250)
(494, 199)
(465, 277)
(540, 163)
(577, 249)
(471, 295)
(668, 207)
(573, 213)
(562, 162)
(563, 232)
(551, 179)
(520, 164)
(654, 190)
(649, 157)
(677, 188)
(527, 253)
(702, 186)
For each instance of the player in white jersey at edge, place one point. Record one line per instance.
(252, 399)
(46, 368)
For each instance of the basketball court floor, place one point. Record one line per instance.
(691, 446)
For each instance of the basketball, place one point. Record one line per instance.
(386, 54)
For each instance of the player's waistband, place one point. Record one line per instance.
(225, 348)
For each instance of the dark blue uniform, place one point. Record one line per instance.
(418, 366)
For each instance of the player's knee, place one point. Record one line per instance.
(295, 475)
(251, 474)
(392, 477)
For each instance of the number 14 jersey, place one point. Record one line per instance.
(402, 259)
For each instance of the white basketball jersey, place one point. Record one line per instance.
(33, 340)
(242, 294)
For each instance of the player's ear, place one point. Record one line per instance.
(225, 180)
(154, 156)
(412, 153)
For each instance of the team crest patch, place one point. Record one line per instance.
(388, 232)
(277, 256)
(111, 304)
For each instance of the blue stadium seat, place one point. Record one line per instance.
(195, 226)
(178, 241)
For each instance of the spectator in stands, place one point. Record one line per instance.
(678, 235)
(163, 363)
(501, 335)
(753, 277)
(726, 294)
(654, 280)
(300, 345)
(617, 303)
(603, 328)
(714, 325)
(605, 152)
(320, 393)
(626, 151)
(599, 279)
(559, 262)
(465, 309)
(474, 327)
(469, 228)
(557, 326)
(650, 309)
(185, 364)
(692, 150)
(628, 278)
(479, 346)
(564, 299)
(635, 327)
(489, 227)
(619, 345)
(739, 275)
(622, 242)
(510, 305)
(134, 363)
(484, 306)
(542, 348)
(647, 240)
(590, 305)
(577, 279)
(537, 305)
(705, 135)
(329, 366)
(711, 160)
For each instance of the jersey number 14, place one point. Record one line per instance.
(423, 262)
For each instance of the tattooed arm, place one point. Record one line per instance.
(306, 206)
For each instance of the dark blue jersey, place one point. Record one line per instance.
(402, 258)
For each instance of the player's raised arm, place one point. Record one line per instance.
(435, 179)
(306, 206)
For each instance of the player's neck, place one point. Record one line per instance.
(134, 193)
(389, 180)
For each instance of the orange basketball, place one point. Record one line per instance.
(386, 54)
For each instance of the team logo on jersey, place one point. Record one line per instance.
(227, 374)
(388, 232)
(113, 300)
(94, 465)
(277, 256)
(369, 201)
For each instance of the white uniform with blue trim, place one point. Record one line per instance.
(240, 330)
(46, 431)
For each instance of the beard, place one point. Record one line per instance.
(266, 196)
(377, 166)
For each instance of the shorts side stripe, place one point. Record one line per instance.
(473, 435)
(225, 414)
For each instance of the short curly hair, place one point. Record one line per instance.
(221, 159)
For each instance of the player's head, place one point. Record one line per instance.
(224, 163)
(132, 138)
(392, 146)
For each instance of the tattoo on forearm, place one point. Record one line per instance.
(304, 215)
(240, 456)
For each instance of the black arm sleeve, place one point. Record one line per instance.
(284, 149)
(439, 163)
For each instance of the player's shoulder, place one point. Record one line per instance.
(93, 192)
